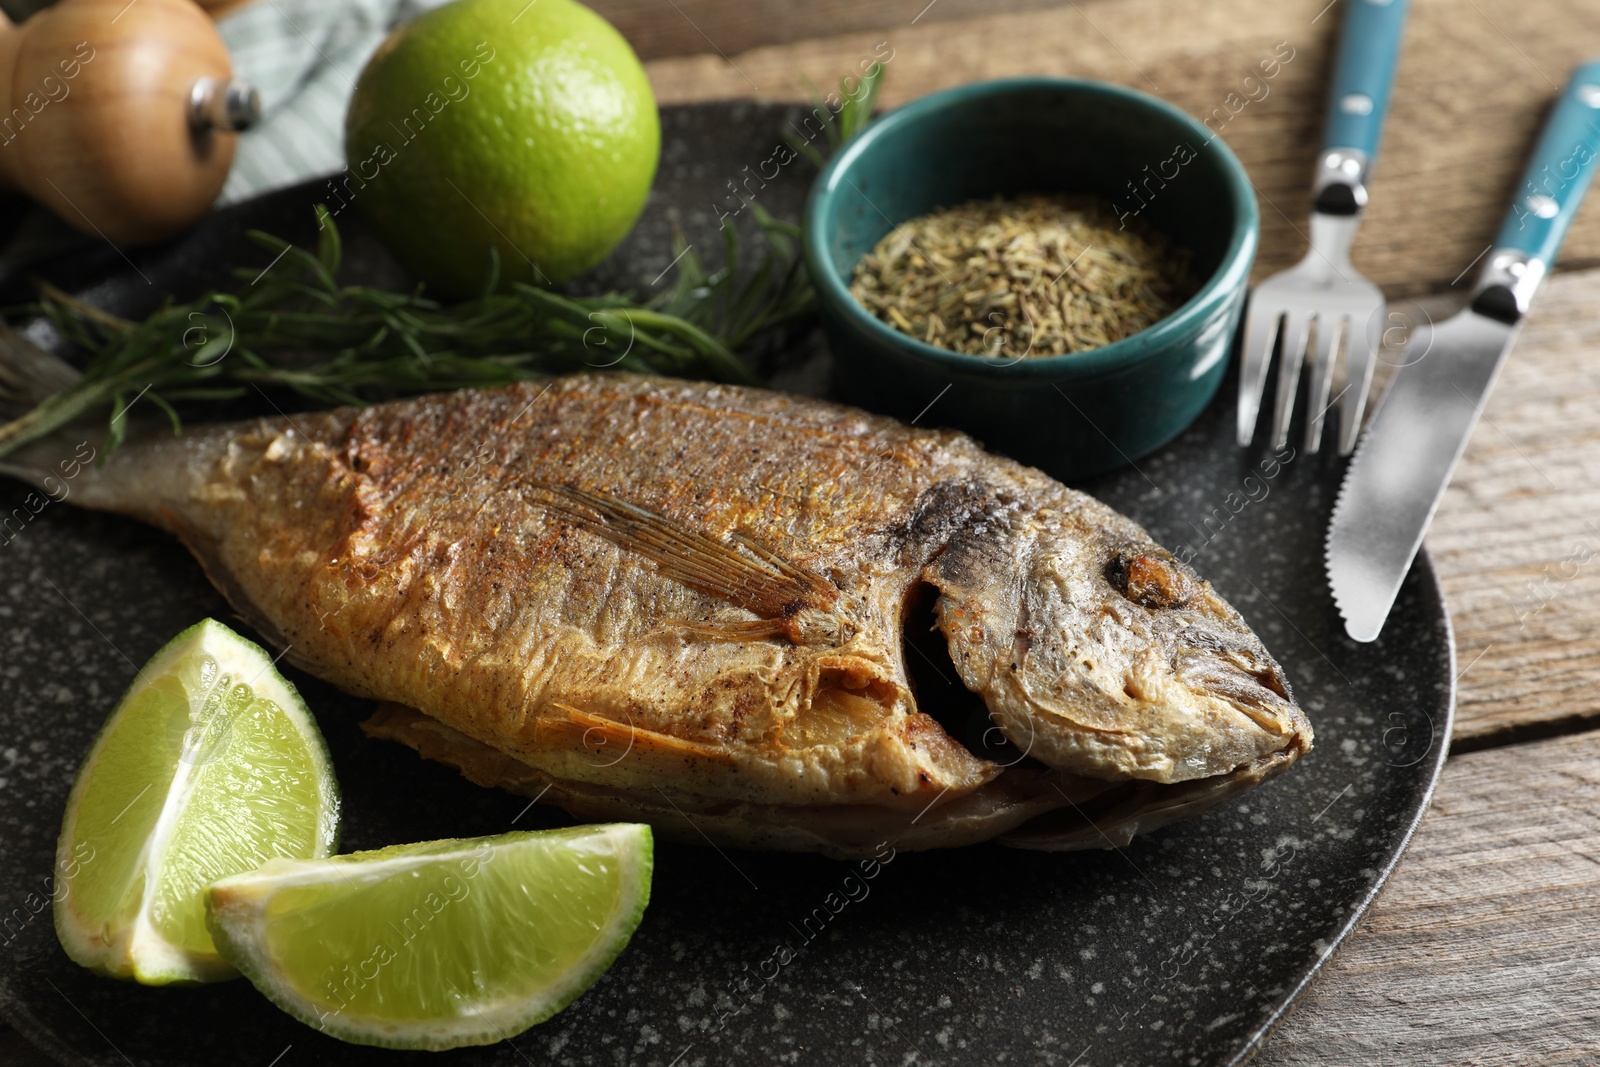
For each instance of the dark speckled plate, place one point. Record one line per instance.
(1185, 948)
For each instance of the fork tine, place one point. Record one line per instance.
(1261, 330)
(1361, 357)
(1325, 352)
(1296, 325)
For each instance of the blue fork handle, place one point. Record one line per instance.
(1363, 73)
(1559, 171)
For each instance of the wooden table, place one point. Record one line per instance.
(1485, 946)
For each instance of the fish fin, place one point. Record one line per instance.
(733, 632)
(768, 585)
(432, 739)
(585, 730)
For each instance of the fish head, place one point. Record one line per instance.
(1099, 653)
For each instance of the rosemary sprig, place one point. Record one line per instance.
(297, 328)
(855, 111)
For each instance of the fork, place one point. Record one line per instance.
(1322, 300)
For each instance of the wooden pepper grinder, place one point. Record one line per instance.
(118, 116)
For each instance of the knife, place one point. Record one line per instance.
(1423, 421)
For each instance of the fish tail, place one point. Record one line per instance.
(39, 396)
(31, 377)
(51, 461)
(29, 373)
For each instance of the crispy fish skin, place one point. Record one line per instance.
(685, 601)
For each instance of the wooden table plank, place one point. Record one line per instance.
(1475, 80)
(1485, 948)
(718, 27)
(1517, 538)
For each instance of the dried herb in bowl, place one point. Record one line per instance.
(1039, 275)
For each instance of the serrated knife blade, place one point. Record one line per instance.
(1404, 462)
(1421, 426)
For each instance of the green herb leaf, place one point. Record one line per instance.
(857, 98)
(296, 328)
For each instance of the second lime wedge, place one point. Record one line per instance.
(441, 944)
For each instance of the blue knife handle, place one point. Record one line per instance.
(1559, 172)
(1363, 72)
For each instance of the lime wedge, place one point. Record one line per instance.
(209, 766)
(441, 944)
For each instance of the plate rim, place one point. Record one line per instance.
(1438, 755)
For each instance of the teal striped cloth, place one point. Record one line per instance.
(304, 57)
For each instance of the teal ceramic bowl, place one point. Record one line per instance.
(1077, 414)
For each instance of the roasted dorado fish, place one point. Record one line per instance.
(710, 607)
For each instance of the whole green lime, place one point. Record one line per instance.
(526, 125)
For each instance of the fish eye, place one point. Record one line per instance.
(1149, 579)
